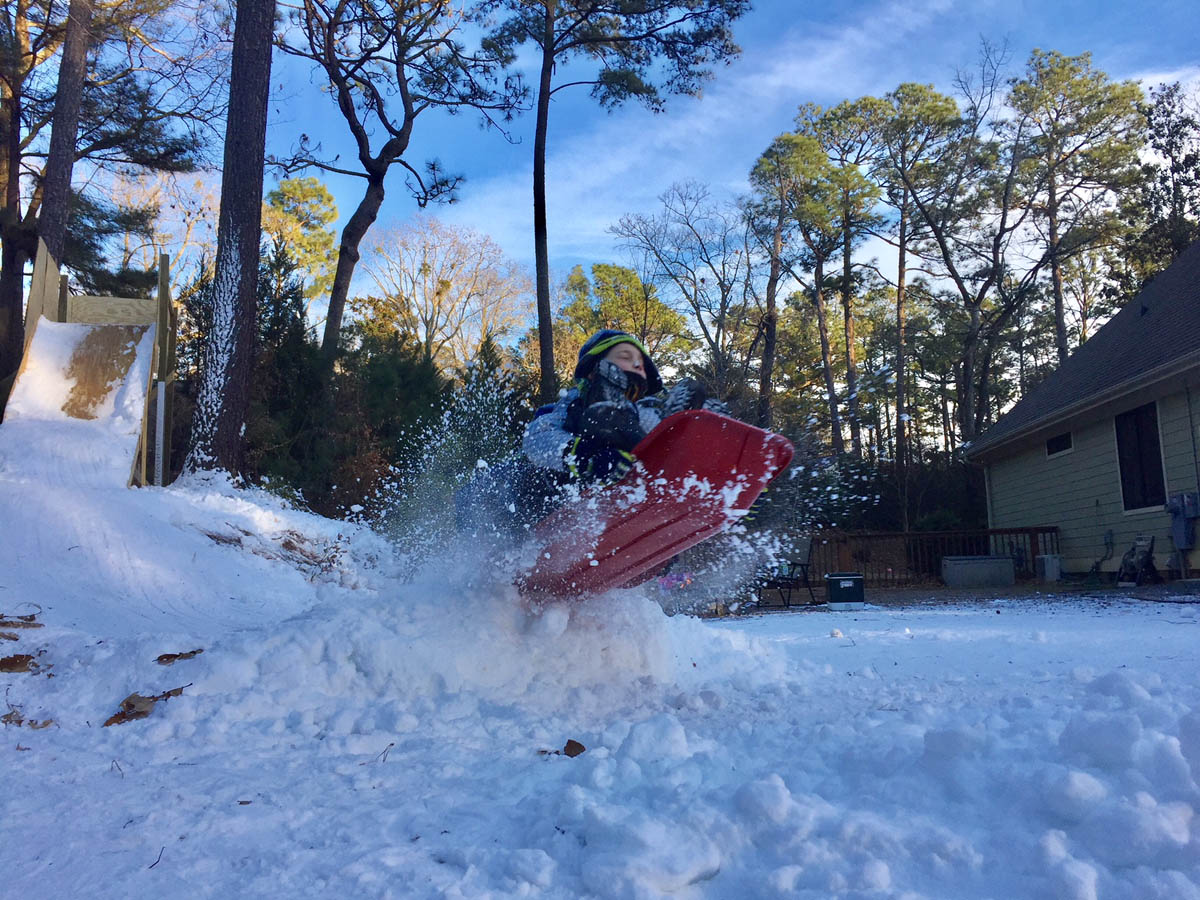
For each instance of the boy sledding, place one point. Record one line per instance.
(618, 476)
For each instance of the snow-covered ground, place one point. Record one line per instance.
(344, 734)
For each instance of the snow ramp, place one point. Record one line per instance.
(78, 410)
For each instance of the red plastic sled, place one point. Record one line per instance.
(696, 472)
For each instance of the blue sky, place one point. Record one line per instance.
(601, 165)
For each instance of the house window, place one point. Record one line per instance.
(1140, 458)
(1060, 443)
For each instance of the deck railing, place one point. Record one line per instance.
(915, 557)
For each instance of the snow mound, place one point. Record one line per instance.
(358, 724)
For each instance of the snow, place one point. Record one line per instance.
(50, 444)
(345, 733)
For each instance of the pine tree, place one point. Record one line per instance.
(631, 45)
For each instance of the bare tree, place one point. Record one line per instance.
(700, 252)
(223, 396)
(450, 287)
(386, 63)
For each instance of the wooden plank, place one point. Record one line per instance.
(112, 310)
(39, 304)
(165, 334)
(165, 373)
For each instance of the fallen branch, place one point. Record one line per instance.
(135, 706)
(166, 659)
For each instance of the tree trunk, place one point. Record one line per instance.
(770, 327)
(967, 388)
(548, 383)
(947, 428)
(835, 420)
(223, 397)
(1060, 315)
(13, 250)
(356, 229)
(56, 185)
(901, 395)
(851, 368)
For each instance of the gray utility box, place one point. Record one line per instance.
(978, 571)
(844, 590)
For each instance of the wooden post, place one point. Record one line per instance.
(164, 394)
(164, 316)
(44, 272)
(62, 298)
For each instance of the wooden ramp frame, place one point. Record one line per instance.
(49, 297)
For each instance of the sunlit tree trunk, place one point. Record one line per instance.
(56, 186)
(548, 384)
(770, 325)
(223, 397)
(901, 365)
(848, 313)
(835, 419)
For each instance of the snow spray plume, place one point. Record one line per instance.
(721, 570)
(815, 494)
(477, 429)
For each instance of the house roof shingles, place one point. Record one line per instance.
(1160, 326)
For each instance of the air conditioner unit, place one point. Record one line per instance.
(1048, 567)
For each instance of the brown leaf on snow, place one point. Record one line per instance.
(14, 717)
(222, 538)
(135, 706)
(166, 659)
(8, 636)
(311, 558)
(29, 621)
(19, 662)
(573, 748)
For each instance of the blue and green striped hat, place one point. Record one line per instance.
(601, 342)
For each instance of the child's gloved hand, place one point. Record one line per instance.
(687, 394)
(613, 424)
(592, 459)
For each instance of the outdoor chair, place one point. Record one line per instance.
(792, 576)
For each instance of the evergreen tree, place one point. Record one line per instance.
(911, 122)
(1163, 213)
(846, 133)
(631, 45)
(1086, 133)
(616, 297)
(386, 62)
(145, 103)
(298, 213)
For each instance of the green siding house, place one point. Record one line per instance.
(1111, 435)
